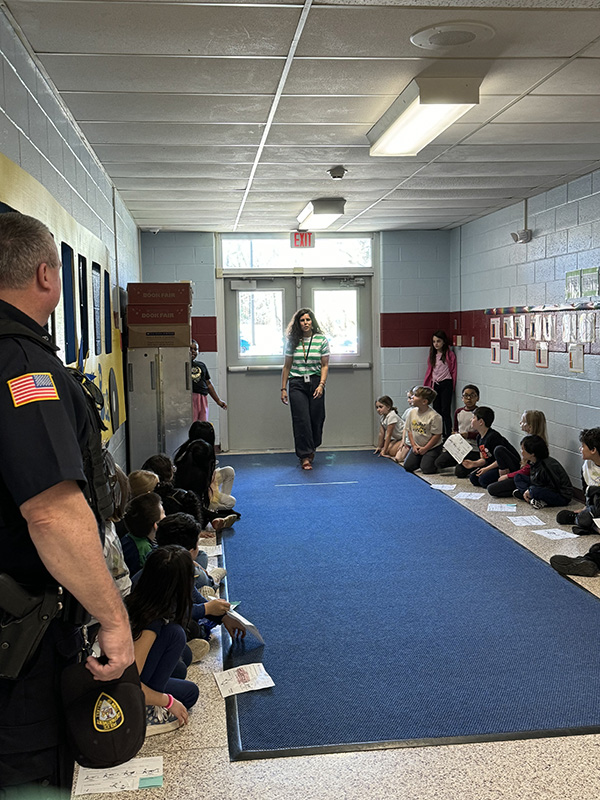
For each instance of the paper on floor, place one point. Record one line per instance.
(522, 522)
(508, 508)
(468, 495)
(139, 773)
(246, 678)
(557, 533)
(444, 487)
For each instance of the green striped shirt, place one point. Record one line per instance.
(307, 359)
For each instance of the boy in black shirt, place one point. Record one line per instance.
(485, 469)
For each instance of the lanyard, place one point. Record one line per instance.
(306, 353)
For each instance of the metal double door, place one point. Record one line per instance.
(257, 420)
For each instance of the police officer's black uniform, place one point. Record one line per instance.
(41, 445)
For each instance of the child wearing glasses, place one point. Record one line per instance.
(462, 425)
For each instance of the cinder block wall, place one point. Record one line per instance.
(490, 271)
(37, 134)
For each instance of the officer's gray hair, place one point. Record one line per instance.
(24, 245)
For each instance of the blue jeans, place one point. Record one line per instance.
(544, 493)
(162, 660)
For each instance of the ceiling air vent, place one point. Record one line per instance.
(452, 34)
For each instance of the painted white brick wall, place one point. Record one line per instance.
(37, 134)
(566, 235)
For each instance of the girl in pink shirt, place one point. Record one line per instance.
(441, 377)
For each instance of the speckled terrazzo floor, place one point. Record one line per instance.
(197, 766)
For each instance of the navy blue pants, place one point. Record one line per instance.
(164, 659)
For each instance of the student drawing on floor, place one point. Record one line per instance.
(532, 422)
(391, 428)
(485, 469)
(462, 424)
(159, 608)
(424, 426)
(583, 520)
(547, 483)
(402, 451)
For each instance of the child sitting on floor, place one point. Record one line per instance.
(533, 423)
(583, 520)
(424, 426)
(547, 484)
(462, 424)
(221, 485)
(184, 530)
(405, 446)
(157, 618)
(485, 469)
(391, 429)
(141, 518)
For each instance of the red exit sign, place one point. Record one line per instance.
(302, 239)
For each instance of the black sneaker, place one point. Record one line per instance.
(580, 565)
(566, 517)
(582, 531)
(518, 494)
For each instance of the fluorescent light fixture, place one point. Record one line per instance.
(424, 109)
(320, 214)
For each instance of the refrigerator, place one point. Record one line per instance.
(159, 394)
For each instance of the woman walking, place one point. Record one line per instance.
(306, 366)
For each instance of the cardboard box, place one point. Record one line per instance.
(159, 335)
(159, 294)
(158, 315)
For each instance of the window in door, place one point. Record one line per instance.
(260, 323)
(337, 313)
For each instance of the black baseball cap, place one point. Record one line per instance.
(106, 720)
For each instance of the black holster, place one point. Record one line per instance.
(24, 619)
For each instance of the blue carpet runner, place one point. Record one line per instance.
(392, 616)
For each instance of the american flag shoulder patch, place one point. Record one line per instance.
(32, 387)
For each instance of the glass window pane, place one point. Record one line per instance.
(336, 311)
(237, 253)
(260, 323)
(265, 253)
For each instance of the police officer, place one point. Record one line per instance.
(49, 533)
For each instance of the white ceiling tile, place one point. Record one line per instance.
(175, 97)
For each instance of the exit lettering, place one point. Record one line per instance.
(302, 239)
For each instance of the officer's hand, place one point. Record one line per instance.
(117, 646)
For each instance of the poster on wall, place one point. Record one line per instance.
(548, 327)
(520, 329)
(495, 328)
(569, 328)
(495, 352)
(513, 351)
(508, 324)
(535, 327)
(573, 285)
(589, 282)
(541, 355)
(576, 358)
(586, 327)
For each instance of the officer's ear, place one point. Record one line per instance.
(46, 275)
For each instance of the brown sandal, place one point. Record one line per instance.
(305, 464)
